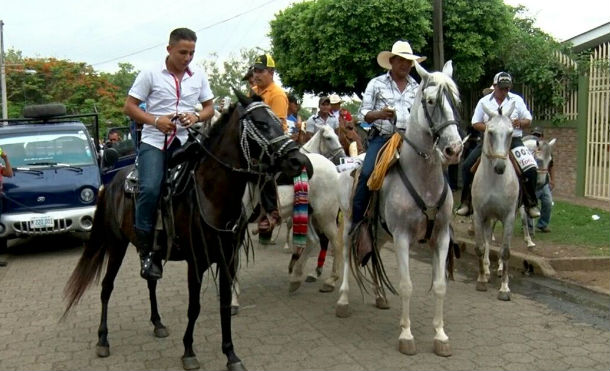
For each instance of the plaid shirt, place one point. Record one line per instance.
(382, 92)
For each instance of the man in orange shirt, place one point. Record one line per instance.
(273, 95)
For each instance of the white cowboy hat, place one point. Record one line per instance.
(335, 98)
(401, 49)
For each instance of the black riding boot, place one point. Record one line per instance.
(150, 265)
(529, 194)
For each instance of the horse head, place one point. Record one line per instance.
(263, 143)
(435, 110)
(497, 137)
(325, 142)
(543, 154)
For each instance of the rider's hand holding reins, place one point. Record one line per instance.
(188, 119)
(165, 123)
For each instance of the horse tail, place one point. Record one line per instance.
(90, 264)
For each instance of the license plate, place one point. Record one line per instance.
(41, 222)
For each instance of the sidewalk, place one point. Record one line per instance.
(592, 273)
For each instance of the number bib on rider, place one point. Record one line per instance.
(524, 158)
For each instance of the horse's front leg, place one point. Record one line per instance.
(504, 293)
(160, 330)
(482, 232)
(525, 224)
(235, 298)
(342, 307)
(406, 341)
(189, 359)
(296, 277)
(439, 287)
(225, 285)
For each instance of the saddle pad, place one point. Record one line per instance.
(524, 158)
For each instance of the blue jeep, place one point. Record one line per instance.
(58, 168)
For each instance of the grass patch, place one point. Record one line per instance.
(573, 225)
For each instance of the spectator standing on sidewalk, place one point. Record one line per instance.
(543, 193)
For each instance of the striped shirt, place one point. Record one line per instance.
(382, 92)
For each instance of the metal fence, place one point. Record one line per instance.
(597, 172)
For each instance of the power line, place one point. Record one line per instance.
(201, 29)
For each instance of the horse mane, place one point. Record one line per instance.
(445, 83)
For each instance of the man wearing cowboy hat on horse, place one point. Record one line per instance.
(386, 105)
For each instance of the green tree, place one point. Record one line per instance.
(331, 45)
(123, 78)
(223, 76)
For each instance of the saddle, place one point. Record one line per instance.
(178, 180)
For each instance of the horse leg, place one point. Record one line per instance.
(342, 307)
(235, 298)
(504, 293)
(439, 287)
(332, 232)
(482, 230)
(288, 244)
(189, 359)
(225, 284)
(296, 278)
(160, 330)
(116, 253)
(525, 223)
(317, 272)
(381, 302)
(406, 341)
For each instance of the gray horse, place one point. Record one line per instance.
(430, 141)
(495, 193)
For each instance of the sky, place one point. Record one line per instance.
(104, 33)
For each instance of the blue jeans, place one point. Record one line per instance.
(362, 194)
(546, 204)
(152, 166)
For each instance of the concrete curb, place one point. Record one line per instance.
(543, 266)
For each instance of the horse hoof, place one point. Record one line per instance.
(327, 288)
(504, 295)
(294, 286)
(102, 351)
(531, 245)
(407, 346)
(310, 279)
(342, 311)
(234, 310)
(382, 303)
(237, 366)
(442, 348)
(481, 286)
(161, 332)
(190, 363)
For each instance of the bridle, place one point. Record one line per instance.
(434, 129)
(274, 149)
(493, 155)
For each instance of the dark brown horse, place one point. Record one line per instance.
(245, 144)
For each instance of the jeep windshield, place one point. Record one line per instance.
(60, 148)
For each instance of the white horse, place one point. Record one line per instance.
(495, 194)
(324, 144)
(431, 140)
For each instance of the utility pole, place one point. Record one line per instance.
(437, 36)
(3, 72)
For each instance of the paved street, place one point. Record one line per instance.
(276, 330)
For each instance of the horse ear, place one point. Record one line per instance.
(489, 112)
(241, 97)
(511, 108)
(552, 142)
(421, 71)
(448, 68)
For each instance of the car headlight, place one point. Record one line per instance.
(87, 195)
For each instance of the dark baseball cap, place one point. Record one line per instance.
(264, 61)
(248, 74)
(503, 80)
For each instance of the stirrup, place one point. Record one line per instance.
(149, 269)
(533, 212)
(463, 211)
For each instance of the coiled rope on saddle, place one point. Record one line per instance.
(385, 158)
